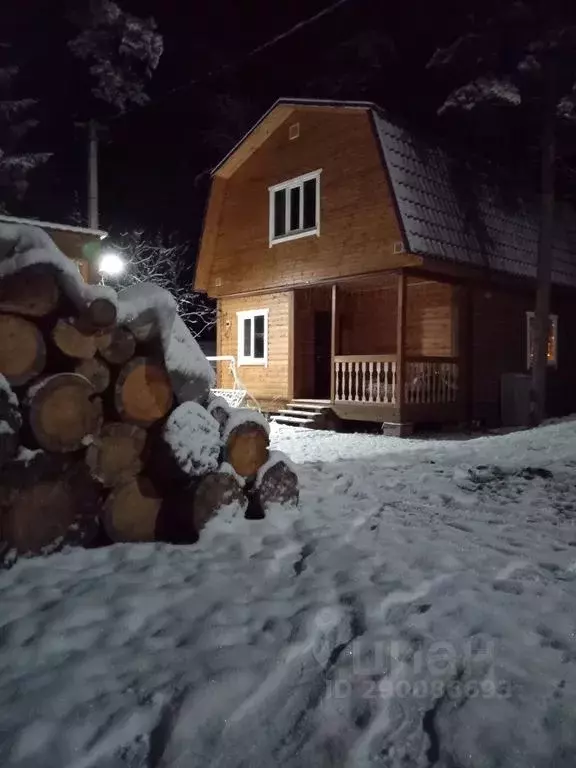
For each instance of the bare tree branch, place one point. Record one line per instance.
(155, 260)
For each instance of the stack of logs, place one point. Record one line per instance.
(94, 447)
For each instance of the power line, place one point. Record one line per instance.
(233, 65)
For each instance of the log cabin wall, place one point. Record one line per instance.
(358, 224)
(499, 345)
(367, 320)
(368, 316)
(269, 384)
(431, 319)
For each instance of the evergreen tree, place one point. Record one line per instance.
(123, 51)
(15, 123)
(524, 57)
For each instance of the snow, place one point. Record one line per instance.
(228, 469)
(6, 392)
(241, 416)
(52, 225)
(194, 438)
(483, 90)
(275, 457)
(27, 455)
(417, 609)
(150, 311)
(23, 246)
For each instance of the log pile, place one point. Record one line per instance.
(108, 430)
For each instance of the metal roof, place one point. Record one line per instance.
(53, 225)
(456, 213)
(453, 211)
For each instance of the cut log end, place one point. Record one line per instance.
(22, 350)
(131, 511)
(63, 412)
(73, 340)
(247, 448)
(215, 492)
(101, 313)
(116, 455)
(143, 392)
(278, 485)
(32, 292)
(48, 503)
(97, 373)
(117, 347)
(185, 513)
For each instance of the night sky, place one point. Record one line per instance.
(154, 159)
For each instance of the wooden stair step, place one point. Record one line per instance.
(310, 414)
(300, 420)
(307, 407)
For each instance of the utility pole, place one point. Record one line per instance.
(93, 218)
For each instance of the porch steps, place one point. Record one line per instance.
(296, 421)
(293, 412)
(302, 413)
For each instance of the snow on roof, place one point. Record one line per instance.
(53, 225)
(24, 245)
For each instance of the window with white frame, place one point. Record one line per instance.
(552, 348)
(295, 208)
(253, 337)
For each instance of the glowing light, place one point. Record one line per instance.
(111, 263)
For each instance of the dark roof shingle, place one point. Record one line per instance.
(457, 215)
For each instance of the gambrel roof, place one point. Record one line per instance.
(448, 209)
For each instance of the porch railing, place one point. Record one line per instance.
(374, 379)
(365, 379)
(431, 380)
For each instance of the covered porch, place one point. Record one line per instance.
(384, 349)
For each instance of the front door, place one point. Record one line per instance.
(322, 354)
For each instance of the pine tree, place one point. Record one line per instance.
(522, 58)
(123, 50)
(15, 123)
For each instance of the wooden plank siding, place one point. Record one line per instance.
(358, 223)
(269, 384)
(431, 319)
(368, 319)
(498, 346)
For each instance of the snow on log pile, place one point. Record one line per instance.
(108, 429)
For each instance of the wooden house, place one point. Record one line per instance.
(359, 269)
(80, 244)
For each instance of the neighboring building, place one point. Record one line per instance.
(78, 243)
(357, 266)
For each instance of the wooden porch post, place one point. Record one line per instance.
(401, 341)
(333, 350)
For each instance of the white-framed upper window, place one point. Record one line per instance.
(295, 208)
(552, 349)
(253, 337)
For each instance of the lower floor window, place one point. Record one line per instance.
(552, 348)
(253, 337)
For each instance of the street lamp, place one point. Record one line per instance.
(111, 264)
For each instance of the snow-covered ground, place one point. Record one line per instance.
(419, 609)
